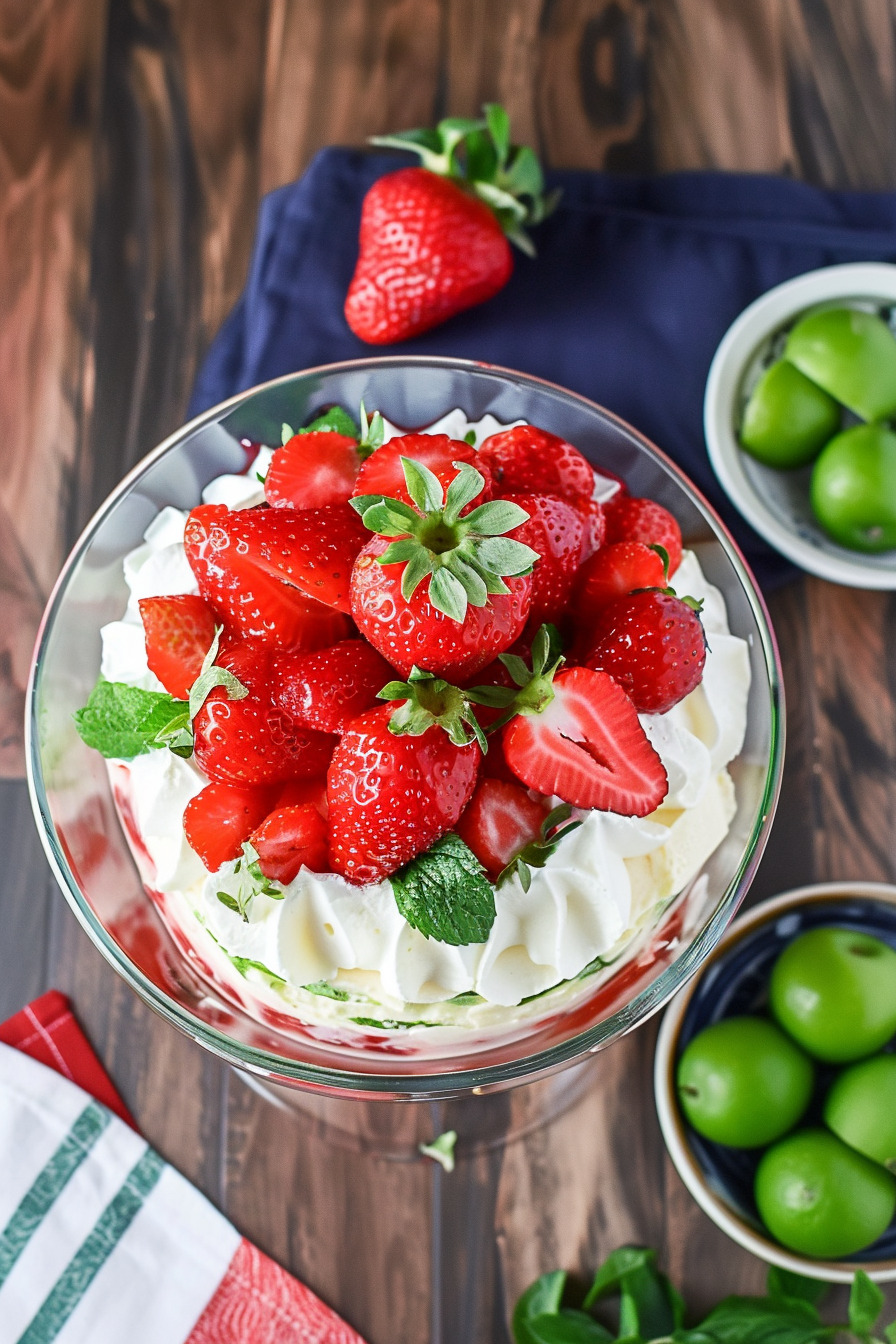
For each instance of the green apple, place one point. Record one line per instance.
(821, 1198)
(834, 991)
(861, 1108)
(788, 418)
(853, 488)
(743, 1083)
(852, 355)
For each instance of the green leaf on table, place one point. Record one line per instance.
(765, 1320)
(784, 1283)
(649, 1305)
(441, 1149)
(866, 1302)
(122, 721)
(541, 1298)
(445, 895)
(566, 1326)
(890, 1333)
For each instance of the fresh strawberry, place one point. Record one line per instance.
(179, 633)
(291, 838)
(432, 239)
(399, 779)
(631, 519)
(501, 819)
(254, 601)
(220, 818)
(312, 471)
(324, 690)
(594, 529)
(298, 792)
(383, 474)
(529, 460)
(653, 645)
(613, 572)
(453, 591)
(575, 735)
(252, 741)
(555, 530)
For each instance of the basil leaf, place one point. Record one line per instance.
(445, 895)
(866, 1302)
(765, 1320)
(565, 1327)
(784, 1283)
(123, 721)
(541, 1298)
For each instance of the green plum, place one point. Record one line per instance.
(852, 355)
(741, 1082)
(822, 1198)
(861, 1108)
(853, 488)
(788, 418)
(834, 991)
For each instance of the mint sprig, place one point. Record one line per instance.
(463, 559)
(537, 852)
(651, 1311)
(122, 721)
(250, 882)
(211, 676)
(445, 895)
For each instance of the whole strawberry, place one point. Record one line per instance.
(555, 530)
(400, 778)
(451, 591)
(434, 239)
(652, 644)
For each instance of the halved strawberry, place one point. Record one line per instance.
(390, 797)
(587, 747)
(291, 838)
(221, 817)
(312, 471)
(500, 820)
(382, 474)
(555, 530)
(633, 519)
(324, 690)
(595, 527)
(179, 633)
(252, 741)
(531, 460)
(614, 572)
(652, 644)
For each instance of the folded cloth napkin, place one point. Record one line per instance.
(635, 283)
(102, 1242)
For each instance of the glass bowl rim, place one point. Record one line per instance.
(451, 1081)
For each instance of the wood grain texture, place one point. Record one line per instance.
(135, 140)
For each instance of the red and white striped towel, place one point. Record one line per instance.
(100, 1240)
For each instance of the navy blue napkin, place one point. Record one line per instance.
(635, 283)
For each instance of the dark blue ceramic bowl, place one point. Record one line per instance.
(735, 981)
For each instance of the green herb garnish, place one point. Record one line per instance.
(445, 894)
(122, 721)
(250, 882)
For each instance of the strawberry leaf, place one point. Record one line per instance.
(423, 485)
(333, 421)
(448, 595)
(445, 895)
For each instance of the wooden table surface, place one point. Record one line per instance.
(136, 138)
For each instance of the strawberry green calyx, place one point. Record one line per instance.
(478, 155)
(537, 852)
(373, 431)
(370, 435)
(695, 603)
(534, 687)
(430, 702)
(465, 559)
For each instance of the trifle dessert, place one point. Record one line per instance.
(418, 736)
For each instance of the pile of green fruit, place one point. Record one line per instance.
(827, 1190)
(834, 358)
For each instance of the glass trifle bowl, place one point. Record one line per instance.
(359, 1044)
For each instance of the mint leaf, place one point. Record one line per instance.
(244, 964)
(327, 991)
(123, 721)
(250, 882)
(445, 894)
(389, 1023)
(333, 421)
(866, 1302)
(211, 676)
(441, 1150)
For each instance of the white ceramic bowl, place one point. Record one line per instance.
(788, 913)
(776, 503)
